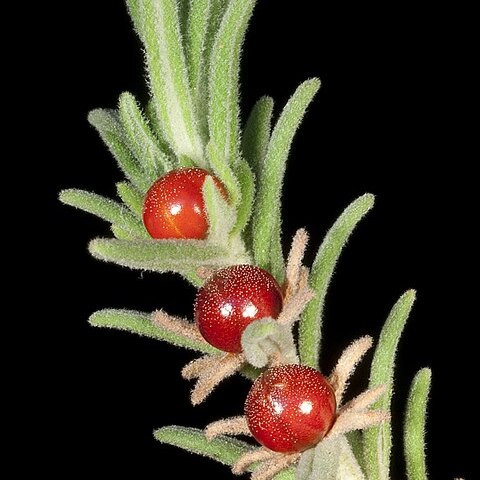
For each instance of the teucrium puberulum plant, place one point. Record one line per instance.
(192, 119)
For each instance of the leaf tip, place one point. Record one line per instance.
(315, 83)
(159, 434)
(369, 199)
(65, 195)
(94, 247)
(94, 116)
(425, 374)
(410, 296)
(95, 319)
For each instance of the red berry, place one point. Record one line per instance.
(174, 207)
(232, 299)
(290, 408)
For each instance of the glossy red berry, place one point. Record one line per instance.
(174, 206)
(233, 298)
(290, 408)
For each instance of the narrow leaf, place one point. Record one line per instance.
(141, 324)
(310, 331)
(223, 449)
(257, 134)
(224, 172)
(220, 215)
(196, 36)
(181, 256)
(131, 197)
(223, 117)
(414, 428)
(135, 14)
(355, 440)
(277, 260)
(106, 209)
(247, 195)
(378, 439)
(331, 459)
(270, 181)
(201, 89)
(112, 133)
(169, 78)
(265, 339)
(157, 128)
(142, 140)
(120, 233)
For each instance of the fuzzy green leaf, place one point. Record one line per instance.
(378, 439)
(106, 209)
(263, 339)
(141, 324)
(414, 428)
(257, 134)
(224, 172)
(135, 14)
(142, 140)
(223, 117)
(181, 256)
(120, 233)
(156, 126)
(355, 440)
(331, 459)
(169, 78)
(247, 196)
(131, 197)
(196, 41)
(113, 135)
(220, 215)
(267, 207)
(310, 331)
(223, 449)
(277, 260)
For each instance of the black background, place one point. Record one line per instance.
(390, 119)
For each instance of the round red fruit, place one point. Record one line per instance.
(174, 206)
(290, 408)
(232, 299)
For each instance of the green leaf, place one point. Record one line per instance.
(112, 133)
(257, 134)
(269, 191)
(310, 331)
(247, 196)
(224, 173)
(266, 338)
(378, 440)
(142, 140)
(169, 77)
(220, 215)
(223, 449)
(181, 256)
(135, 14)
(199, 81)
(131, 197)
(156, 126)
(196, 38)
(141, 324)
(277, 260)
(120, 233)
(106, 209)
(223, 117)
(414, 428)
(355, 440)
(331, 459)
